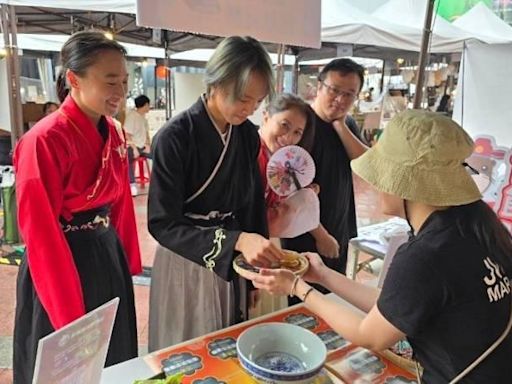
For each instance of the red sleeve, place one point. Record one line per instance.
(39, 191)
(123, 219)
(262, 164)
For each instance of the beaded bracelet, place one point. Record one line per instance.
(306, 294)
(294, 286)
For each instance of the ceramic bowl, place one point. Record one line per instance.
(281, 353)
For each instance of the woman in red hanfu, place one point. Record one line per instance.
(75, 209)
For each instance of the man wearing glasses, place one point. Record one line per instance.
(339, 84)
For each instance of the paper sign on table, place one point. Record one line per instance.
(76, 353)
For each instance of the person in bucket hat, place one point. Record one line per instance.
(447, 289)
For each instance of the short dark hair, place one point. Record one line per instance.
(80, 52)
(47, 105)
(344, 67)
(141, 101)
(286, 101)
(232, 63)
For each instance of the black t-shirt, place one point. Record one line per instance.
(452, 300)
(337, 208)
(354, 128)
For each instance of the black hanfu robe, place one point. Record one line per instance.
(197, 208)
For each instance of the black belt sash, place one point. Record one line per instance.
(92, 222)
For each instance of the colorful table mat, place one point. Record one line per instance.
(212, 359)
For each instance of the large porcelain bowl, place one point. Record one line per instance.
(281, 353)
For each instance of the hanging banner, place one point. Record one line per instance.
(503, 205)
(290, 22)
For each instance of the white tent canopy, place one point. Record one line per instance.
(54, 43)
(481, 18)
(121, 6)
(344, 23)
(411, 13)
(396, 24)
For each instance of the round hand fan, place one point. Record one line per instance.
(289, 169)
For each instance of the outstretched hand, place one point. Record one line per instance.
(316, 270)
(274, 281)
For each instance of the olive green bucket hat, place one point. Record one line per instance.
(420, 157)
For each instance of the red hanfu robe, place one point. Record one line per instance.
(63, 166)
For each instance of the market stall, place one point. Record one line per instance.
(213, 358)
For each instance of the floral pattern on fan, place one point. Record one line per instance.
(289, 169)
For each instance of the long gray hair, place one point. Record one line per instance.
(232, 63)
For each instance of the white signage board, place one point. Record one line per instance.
(482, 102)
(76, 353)
(291, 22)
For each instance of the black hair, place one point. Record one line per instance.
(141, 101)
(79, 52)
(344, 67)
(47, 105)
(286, 101)
(443, 103)
(480, 221)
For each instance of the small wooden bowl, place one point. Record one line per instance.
(239, 263)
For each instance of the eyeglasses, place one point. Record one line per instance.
(335, 92)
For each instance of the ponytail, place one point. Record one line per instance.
(62, 88)
(479, 220)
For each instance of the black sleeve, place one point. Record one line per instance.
(413, 292)
(212, 248)
(253, 217)
(354, 128)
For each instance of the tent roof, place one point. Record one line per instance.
(481, 18)
(53, 43)
(120, 6)
(344, 23)
(411, 13)
(66, 17)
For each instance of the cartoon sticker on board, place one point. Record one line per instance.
(487, 167)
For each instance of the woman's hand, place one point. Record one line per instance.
(315, 187)
(326, 245)
(279, 218)
(257, 250)
(316, 270)
(274, 281)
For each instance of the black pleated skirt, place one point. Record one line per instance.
(101, 264)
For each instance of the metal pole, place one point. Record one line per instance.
(427, 31)
(155, 88)
(381, 85)
(280, 68)
(11, 61)
(16, 79)
(168, 90)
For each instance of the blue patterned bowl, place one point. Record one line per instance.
(281, 353)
